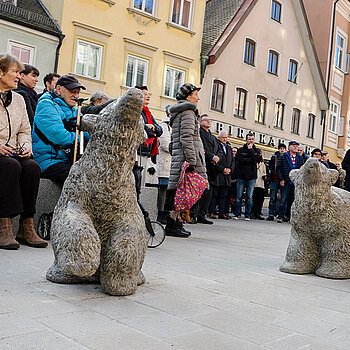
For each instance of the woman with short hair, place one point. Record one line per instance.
(19, 174)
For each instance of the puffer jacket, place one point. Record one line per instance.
(164, 157)
(186, 144)
(50, 113)
(20, 127)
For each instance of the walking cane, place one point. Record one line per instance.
(80, 102)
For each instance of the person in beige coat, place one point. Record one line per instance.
(19, 174)
(259, 191)
(186, 145)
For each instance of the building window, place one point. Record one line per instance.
(279, 115)
(339, 51)
(174, 78)
(12, 2)
(240, 103)
(249, 52)
(276, 11)
(217, 96)
(295, 121)
(273, 62)
(182, 12)
(88, 60)
(24, 53)
(293, 71)
(260, 110)
(144, 5)
(333, 117)
(311, 125)
(136, 71)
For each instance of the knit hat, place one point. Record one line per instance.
(185, 91)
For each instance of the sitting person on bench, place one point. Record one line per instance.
(19, 174)
(54, 129)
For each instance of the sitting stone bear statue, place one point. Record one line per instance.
(98, 231)
(320, 234)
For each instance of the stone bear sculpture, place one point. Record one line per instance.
(320, 233)
(98, 232)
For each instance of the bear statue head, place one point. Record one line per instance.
(313, 172)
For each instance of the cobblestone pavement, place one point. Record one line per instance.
(219, 289)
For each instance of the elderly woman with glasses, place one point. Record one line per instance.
(19, 174)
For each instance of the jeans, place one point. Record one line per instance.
(249, 185)
(274, 187)
(286, 200)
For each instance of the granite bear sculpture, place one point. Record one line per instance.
(98, 231)
(320, 234)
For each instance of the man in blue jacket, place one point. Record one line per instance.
(53, 134)
(287, 162)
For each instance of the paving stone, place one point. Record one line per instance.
(17, 324)
(46, 340)
(246, 329)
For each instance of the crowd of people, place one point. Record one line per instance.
(37, 135)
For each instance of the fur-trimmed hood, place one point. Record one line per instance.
(181, 106)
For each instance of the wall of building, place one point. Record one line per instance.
(122, 31)
(285, 38)
(43, 45)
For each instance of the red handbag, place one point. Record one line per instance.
(189, 189)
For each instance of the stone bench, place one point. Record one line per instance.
(48, 195)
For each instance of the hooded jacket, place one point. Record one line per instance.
(186, 144)
(50, 113)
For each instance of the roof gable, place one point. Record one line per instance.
(29, 13)
(218, 14)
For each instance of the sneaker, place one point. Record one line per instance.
(270, 218)
(247, 218)
(236, 217)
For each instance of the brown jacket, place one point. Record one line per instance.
(20, 127)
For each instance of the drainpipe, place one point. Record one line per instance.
(60, 36)
(323, 113)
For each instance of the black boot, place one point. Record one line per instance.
(172, 229)
(181, 227)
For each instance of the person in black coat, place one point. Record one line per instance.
(247, 158)
(222, 182)
(287, 162)
(326, 161)
(274, 182)
(211, 148)
(346, 167)
(26, 86)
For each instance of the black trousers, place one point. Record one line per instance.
(218, 198)
(19, 184)
(258, 201)
(200, 208)
(161, 197)
(57, 172)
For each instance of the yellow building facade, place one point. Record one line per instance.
(113, 45)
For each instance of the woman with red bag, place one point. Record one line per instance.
(186, 145)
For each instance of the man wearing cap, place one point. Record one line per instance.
(327, 162)
(52, 135)
(287, 162)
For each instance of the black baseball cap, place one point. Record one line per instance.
(291, 143)
(70, 82)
